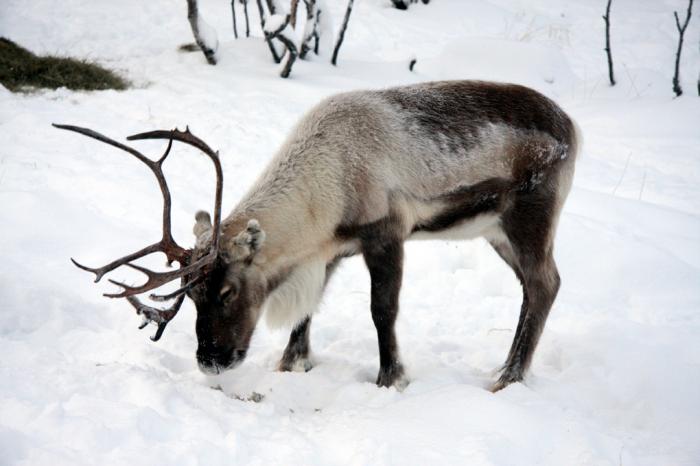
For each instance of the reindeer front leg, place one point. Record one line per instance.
(296, 354)
(384, 259)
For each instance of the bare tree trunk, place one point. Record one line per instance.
(606, 17)
(245, 12)
(233, 14)
(208, 50)
(341, 35)
(681, 31)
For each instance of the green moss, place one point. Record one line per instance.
(20, 69)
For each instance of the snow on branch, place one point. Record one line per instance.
(281, 34)
(275, 26)
(312, 32)
(273, 49)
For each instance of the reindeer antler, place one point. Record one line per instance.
(167, 244)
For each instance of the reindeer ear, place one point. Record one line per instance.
(202, 227)
(248, 242)
(256, 235)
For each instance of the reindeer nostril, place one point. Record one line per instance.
(239, 355)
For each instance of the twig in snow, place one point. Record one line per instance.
(341, 35)
(629, 76)
(644, 180)
(624, 171)
(606, 17)
(681, 31)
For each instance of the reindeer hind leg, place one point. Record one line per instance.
(505, 251)
(529, 225)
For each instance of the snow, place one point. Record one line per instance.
(616, 374)
(274, 22)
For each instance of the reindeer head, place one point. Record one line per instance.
(222, 280)
(230, 299)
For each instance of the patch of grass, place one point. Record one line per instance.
(20, 69)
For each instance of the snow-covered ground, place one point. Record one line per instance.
(615, 380)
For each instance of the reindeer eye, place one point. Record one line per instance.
(230, 290)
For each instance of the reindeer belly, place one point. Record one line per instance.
(486, 224)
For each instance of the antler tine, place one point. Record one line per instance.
(101, 137)
(183, 136)
(167, 244)
(157, 279)
(160, 317)
(176, 293)
(101, 271)
(188, 138)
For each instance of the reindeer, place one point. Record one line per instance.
(362, 173)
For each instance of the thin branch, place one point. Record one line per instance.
(293, 13)
(341, 35)
(233, 15)
(606, 18)
(317, 35)
(245, 13)
(681, 32)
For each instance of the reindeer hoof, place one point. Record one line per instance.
(507, 378)
(393, 376)
(301, 364)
